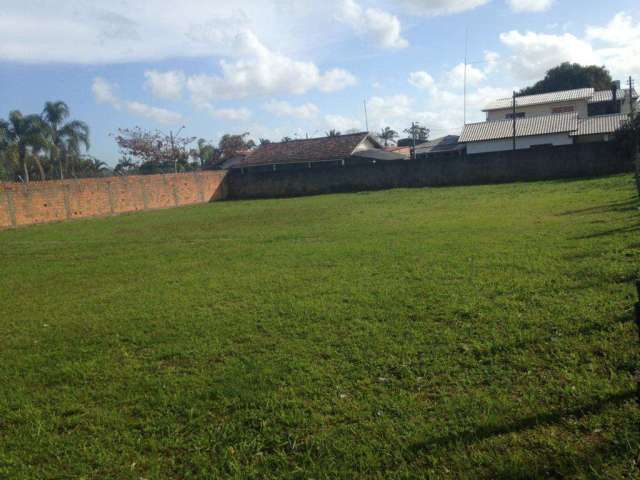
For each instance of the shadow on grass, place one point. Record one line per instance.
(624, 206)
(527, 423)
(606, 233)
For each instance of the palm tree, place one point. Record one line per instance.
(333, 133)
(26, 133)
(66, 138)
(388, 134)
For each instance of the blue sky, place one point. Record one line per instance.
(294, 67)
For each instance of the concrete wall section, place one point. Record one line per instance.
(523, 165)
(41, 202)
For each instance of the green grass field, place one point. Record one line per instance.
(471, 332)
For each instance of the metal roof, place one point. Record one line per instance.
(541, 98)
(607, 95)
(443, 144)
(525, 127)
(600, 124)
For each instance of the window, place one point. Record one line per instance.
(518, 115)
(565, 109)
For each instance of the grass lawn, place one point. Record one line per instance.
(470, 332)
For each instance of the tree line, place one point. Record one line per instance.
(46, 145)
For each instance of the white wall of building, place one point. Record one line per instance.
(521, 143)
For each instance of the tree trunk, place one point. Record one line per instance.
(22, 157)
(40, 169)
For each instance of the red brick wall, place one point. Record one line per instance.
(50, 201)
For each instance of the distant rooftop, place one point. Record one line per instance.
(588, 94)
(306, 150)
(541, 98)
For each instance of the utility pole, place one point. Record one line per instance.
(632, 106)
(513, 113)
(413, 140)
(366, 117)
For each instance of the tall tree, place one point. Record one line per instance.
(29, 136)
(388, 134)
(568, 76)
(206, 153)
(66, 138)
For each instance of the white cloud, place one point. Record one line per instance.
(530, 5)
(615, 45)
(258, 70)
(383, 27)
(167, 85)
(618, 45)
(421, 80)
(381, 109)
(285, 109)
(440, 7)
(535, 53)
(107, 31)
(156, 114)
(336, 79)
(342, 123)
(491, 61)
(103, 92)
(456, 75)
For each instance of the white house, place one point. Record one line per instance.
(557, 118)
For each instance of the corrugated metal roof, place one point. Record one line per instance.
(525, 127)
(607, 95)
(542, 98)
(600, 124)
(443, 144)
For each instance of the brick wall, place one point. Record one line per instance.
(50, 201)
(571, 161)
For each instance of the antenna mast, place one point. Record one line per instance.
(464, 95)
(366, 118)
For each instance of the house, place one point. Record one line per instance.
(350, 149)
(550, 119)
(447, 146)
(584, 102)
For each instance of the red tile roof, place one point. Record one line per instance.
(301, 151)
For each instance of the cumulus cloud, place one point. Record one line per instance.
(166, 85)
(383, 27)
(381, 109)
(261, 71)
(535, 53)
(432, 8)
(530, 5)
(456, 75)
(421, 80)
(285, 109)
(103, 92)
(342, 123)
(615, 45)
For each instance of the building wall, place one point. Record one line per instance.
(521, 143)
(580, 107)
(40, 202)
(568, 161)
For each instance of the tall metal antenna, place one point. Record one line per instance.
(464, 95)
(366, 117)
